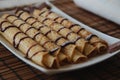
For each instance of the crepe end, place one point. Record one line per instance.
(50, 61)
(90, 50)
(78, 57)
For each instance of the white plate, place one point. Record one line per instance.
(91, 61)
(13, 3)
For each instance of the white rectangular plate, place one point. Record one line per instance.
(91, 61)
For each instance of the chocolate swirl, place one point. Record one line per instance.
(63, 20)
(60, 29)
(33, 22)
(8, 16)
(1, 25)
(67, 43)
(90, 36)
(47, 32)
(46, 43)
(80, 30)
(77, 39)
(3, 30)
(45, 20)
(17, 45)
(21, 25)
(53, 51)
(34, 37)
(28, 18)
(19, 15)
(50, 12)
(58, 39)
(73, 25)
(14, 20)
(56, 18)
(69, 34)
(29, 29)
(27, 53)
(41, 27)
(14, 43)
(42, 13)
(18, 9)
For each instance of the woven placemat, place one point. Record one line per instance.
(11, 68)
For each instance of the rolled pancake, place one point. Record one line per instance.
(26, 45)
(100, 44)
(37, 36)
(81, 43)
(58, 39)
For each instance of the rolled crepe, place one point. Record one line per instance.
(26, 45)
(80, 42)
(100, 44)
(67, 46)
(37, 36)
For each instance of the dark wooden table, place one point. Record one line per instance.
(11, 68)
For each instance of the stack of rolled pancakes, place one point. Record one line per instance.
(49, 39)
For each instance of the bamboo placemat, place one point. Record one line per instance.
(11, 68)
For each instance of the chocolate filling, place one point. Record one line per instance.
(14, 44)
(45, 20)
(21, 9)
(68, 34)
(17, 45)
(60, 29)
(36, 35)
(29, 29)
(28, 18)
(90, 36)
(8, 16)
(47, 33)
(58, 39)
(80, 30)
(73, 25)
(67, 43)
(19, 15)
(46, 43)
(42, 13)
(29, 50)
(53, 51)
(2, 30)
(33, 22)
(50, 12)
(77, 39)
(63, 20)
(14, 20)
(21, 25)
(56, 18)
(40, 27)
(1, 24)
